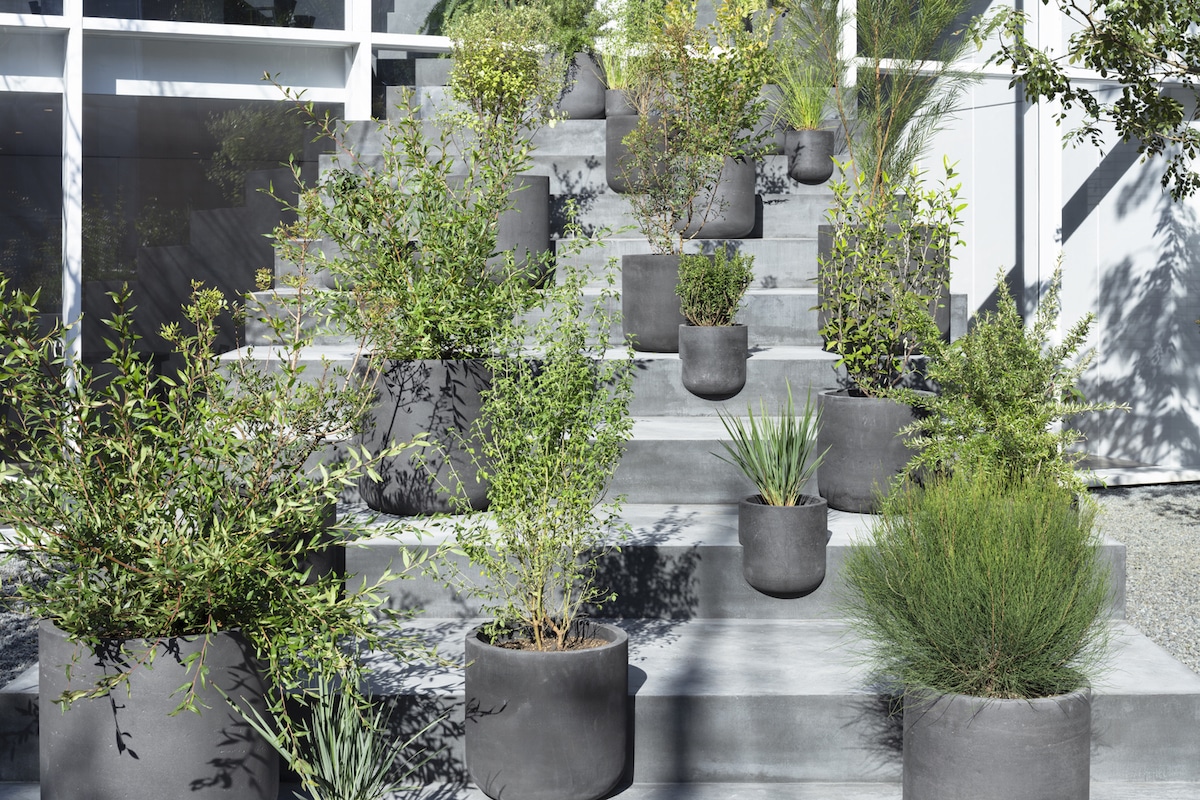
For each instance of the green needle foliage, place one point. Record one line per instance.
(989, 585)
(776, 454)
(711, 288)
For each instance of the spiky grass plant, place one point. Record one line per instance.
(982, 584)
(777, 454)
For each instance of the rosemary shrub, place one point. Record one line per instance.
(712, 288)
(776, 454)
(983, 584)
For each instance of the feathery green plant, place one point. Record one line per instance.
(711, 289)
(987, 584)
(776, 454)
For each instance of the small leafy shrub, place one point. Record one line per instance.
(776, 454)
(989, 585)
(887, 270)
(1003, 393)
(712, 288)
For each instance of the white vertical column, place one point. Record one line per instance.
(358, 67)
(72, 172)
(1049, 183)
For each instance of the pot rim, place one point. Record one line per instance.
(813, 500)
(620, 637)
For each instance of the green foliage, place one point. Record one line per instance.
(887, 271)
(989, 585)
(711, 288)
(556, 426)
(625, 31)
(443, 299)
(776, 454)
(808, 65)
(697, 93)
(1143, 46)
(572, 25)
(176, 504)
(251, 136)
(1003, 393)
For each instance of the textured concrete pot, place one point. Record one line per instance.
(650, 308)
(956, 747)
(864, 451)
(616, 103)
(126, 747)
(729, 211)
(619, 171)
(713, 359)
(583, 97)
(547, 725)
(441, 399)
(783, 547)
(524, 228)
(810, 156)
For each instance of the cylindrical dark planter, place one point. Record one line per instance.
(619, 170)
(650, 308)
(783, 547)
(442, 399)
(583, 95)
(524, 227)
(713, 359)
(865, 452)
(810, 156)
(547, 725)
(616, 103)
(729, 210)
(957, 746)
(124, 746)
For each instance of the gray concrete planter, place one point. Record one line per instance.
(864, 451)
(619, 172)
(956, 747)
(810, 156)
(583, 97)
(730, 210)
(650, 308)
(713, 359)
(441, 399)
(547, 725)
(616, 103)
(783, 547)
(126, 747)
(524, 227)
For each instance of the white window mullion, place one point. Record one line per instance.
(72, 172)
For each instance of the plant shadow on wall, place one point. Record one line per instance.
(1151, 343)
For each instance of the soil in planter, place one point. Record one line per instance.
(572, 644)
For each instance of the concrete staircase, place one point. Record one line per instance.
(735, 695)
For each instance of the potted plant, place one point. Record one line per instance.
(546, 688)
(1004, 395)
(414, 260)
(170, 512)
(884, 272)
(983, 596)
(712, 347)
(690, 159)
(782, 530)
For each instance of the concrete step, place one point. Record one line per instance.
(753, 701)
(678, 562)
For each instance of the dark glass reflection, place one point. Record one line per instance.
(329, 14)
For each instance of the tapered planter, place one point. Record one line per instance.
(865, 451)
(783, 547)
(729, 210)
(957, 746)
(441, 399)
(547, 725)
(619, 170)
(524, 228)
(124, 746)
(583, 97)
(713, 359)
(650, 308)
(810, 156)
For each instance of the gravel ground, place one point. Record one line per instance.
(1158, 525)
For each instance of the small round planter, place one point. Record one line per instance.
(650, 308)
(957, 746)
(124, 746)
(547, 725)
(865, 452)
(713, 359)
(810, 156)
(729, 211)
(783, 547)
(583, 97)
(438, 398)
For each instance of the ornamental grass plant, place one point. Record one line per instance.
(778, 454)
(982, 584)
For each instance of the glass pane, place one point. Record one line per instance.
(31, 194)
(329, 14)
(174, 191)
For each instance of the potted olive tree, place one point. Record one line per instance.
(983, 597)
(782, 530)
(171, 513)
(689, 160)
(546, 688)
(712, 347)
(884, 272)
